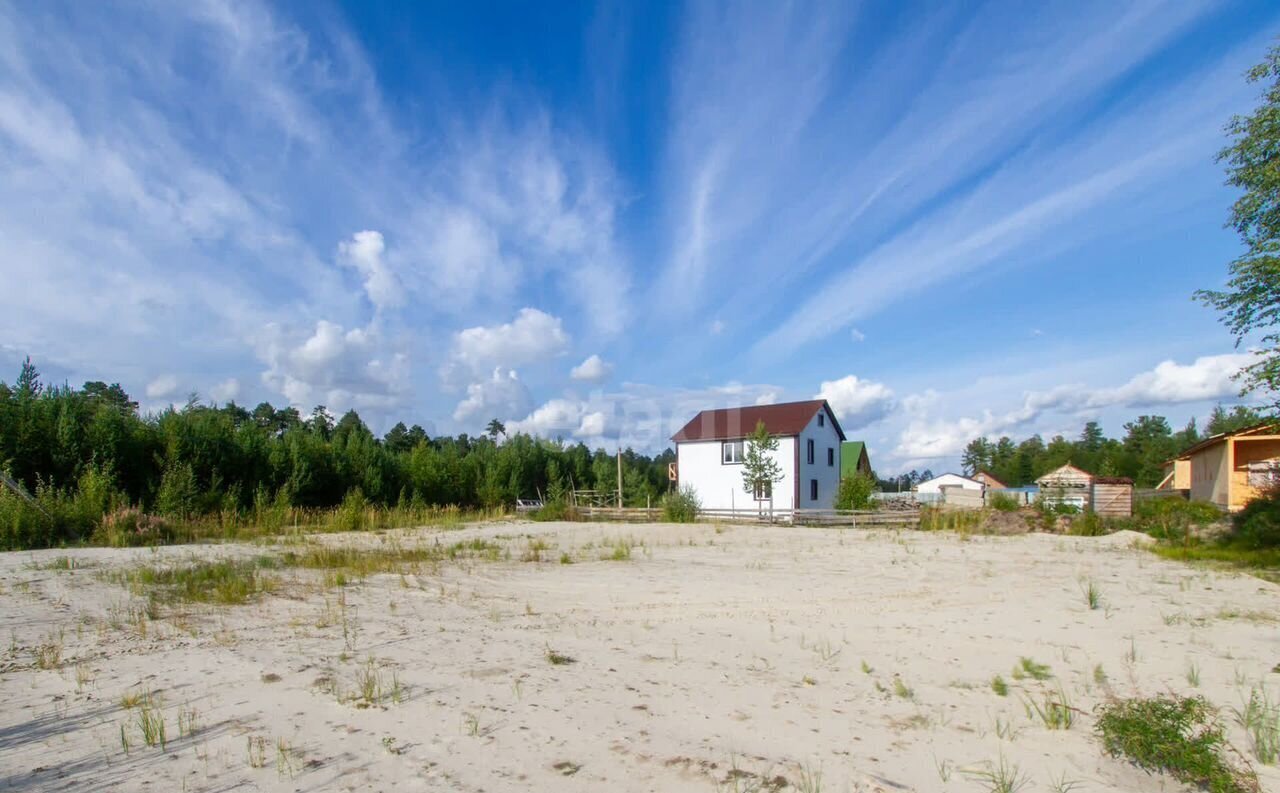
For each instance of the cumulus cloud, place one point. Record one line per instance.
(333, 366)
(857, 402)
(364, 253)
(532, 337)
(163, 387)
(592, 370)
(501, 396)
(225, 391)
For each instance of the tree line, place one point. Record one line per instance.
(1140, 454)
(203, 458)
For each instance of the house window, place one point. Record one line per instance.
(731, 452)
(764, 491)
(809, 450)
(822, 419)
(813, 489)
(831, 457)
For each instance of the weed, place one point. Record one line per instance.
(471, 723)
(1193, 674)
(1099, 675)
(151, 723)
(130, 699)
(48, 654)
(1092, 594)
(565, 558)
(1260, 718)
(1062, 784)
(901, 689)
(866, 668)
(256, 747)
(230, 582)
(1003, 777)
(1056, 712)
(187, 721)
(125, 743)
(808, 779)
(999, 686)
(1005, 730)
(1179, 736)
(83, 677)
(284, 758)
(943, 768)
(1028, 668)
(559, 659)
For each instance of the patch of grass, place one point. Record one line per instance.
(1001, 777)
(1092, 594)
(1262, 562)
(902, 690)
(256, 747)
(1193, 674)
(1027, 667)
(228, 581)
(344, 564)
(151, 722)
(1260, 718)
(1179, 736)
(565, 558)
(559, 659)
(1055, 712)
(999, 686)
(48, 654)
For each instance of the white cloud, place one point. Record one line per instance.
(592, 370)
(333, 366)
(856, 402)
(1208, 378)
(163, 387)
(532, 337)
(767, 398)
(364, 253)
(500, 396)
(226, 390)
(857, 335)
(555, 418)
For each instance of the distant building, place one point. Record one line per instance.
(934, 486)
(854, 459)
(989, 481)
(710, 450)
(1229, 469)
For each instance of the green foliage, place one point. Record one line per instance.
(1179, 736)
(1003, 502)
(1250, 303)
(759, 469)
(103, 473)
(1257, 526)
(681, 506)
(1173, 519)
(855, 492)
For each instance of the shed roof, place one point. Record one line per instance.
(1066, 472)
(786, 418)
(1220, 437)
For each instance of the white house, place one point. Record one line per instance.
(935, 485)
(711, 447)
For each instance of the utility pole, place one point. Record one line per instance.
(619, 476)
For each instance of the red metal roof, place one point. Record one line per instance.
(787, 418)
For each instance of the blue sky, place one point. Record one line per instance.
(592, 221)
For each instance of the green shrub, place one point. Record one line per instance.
(1173, 518)
(1003, 502)
(1258, 524)
(130, 526)
(552, 510)
(681, 506)
(1089, 525)
(1179, 736)
(351, 515)
(855, 492)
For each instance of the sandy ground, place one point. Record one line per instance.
(731, 658)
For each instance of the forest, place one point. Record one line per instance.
(1140, 455)
(58, 441)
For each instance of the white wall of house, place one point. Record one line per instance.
(719, 485)
(934, 485)
(825, 439)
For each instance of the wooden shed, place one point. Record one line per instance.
(1067, 485)
(1112, 496)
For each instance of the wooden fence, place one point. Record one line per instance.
(809, 517)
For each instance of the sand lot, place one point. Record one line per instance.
(730, 658)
